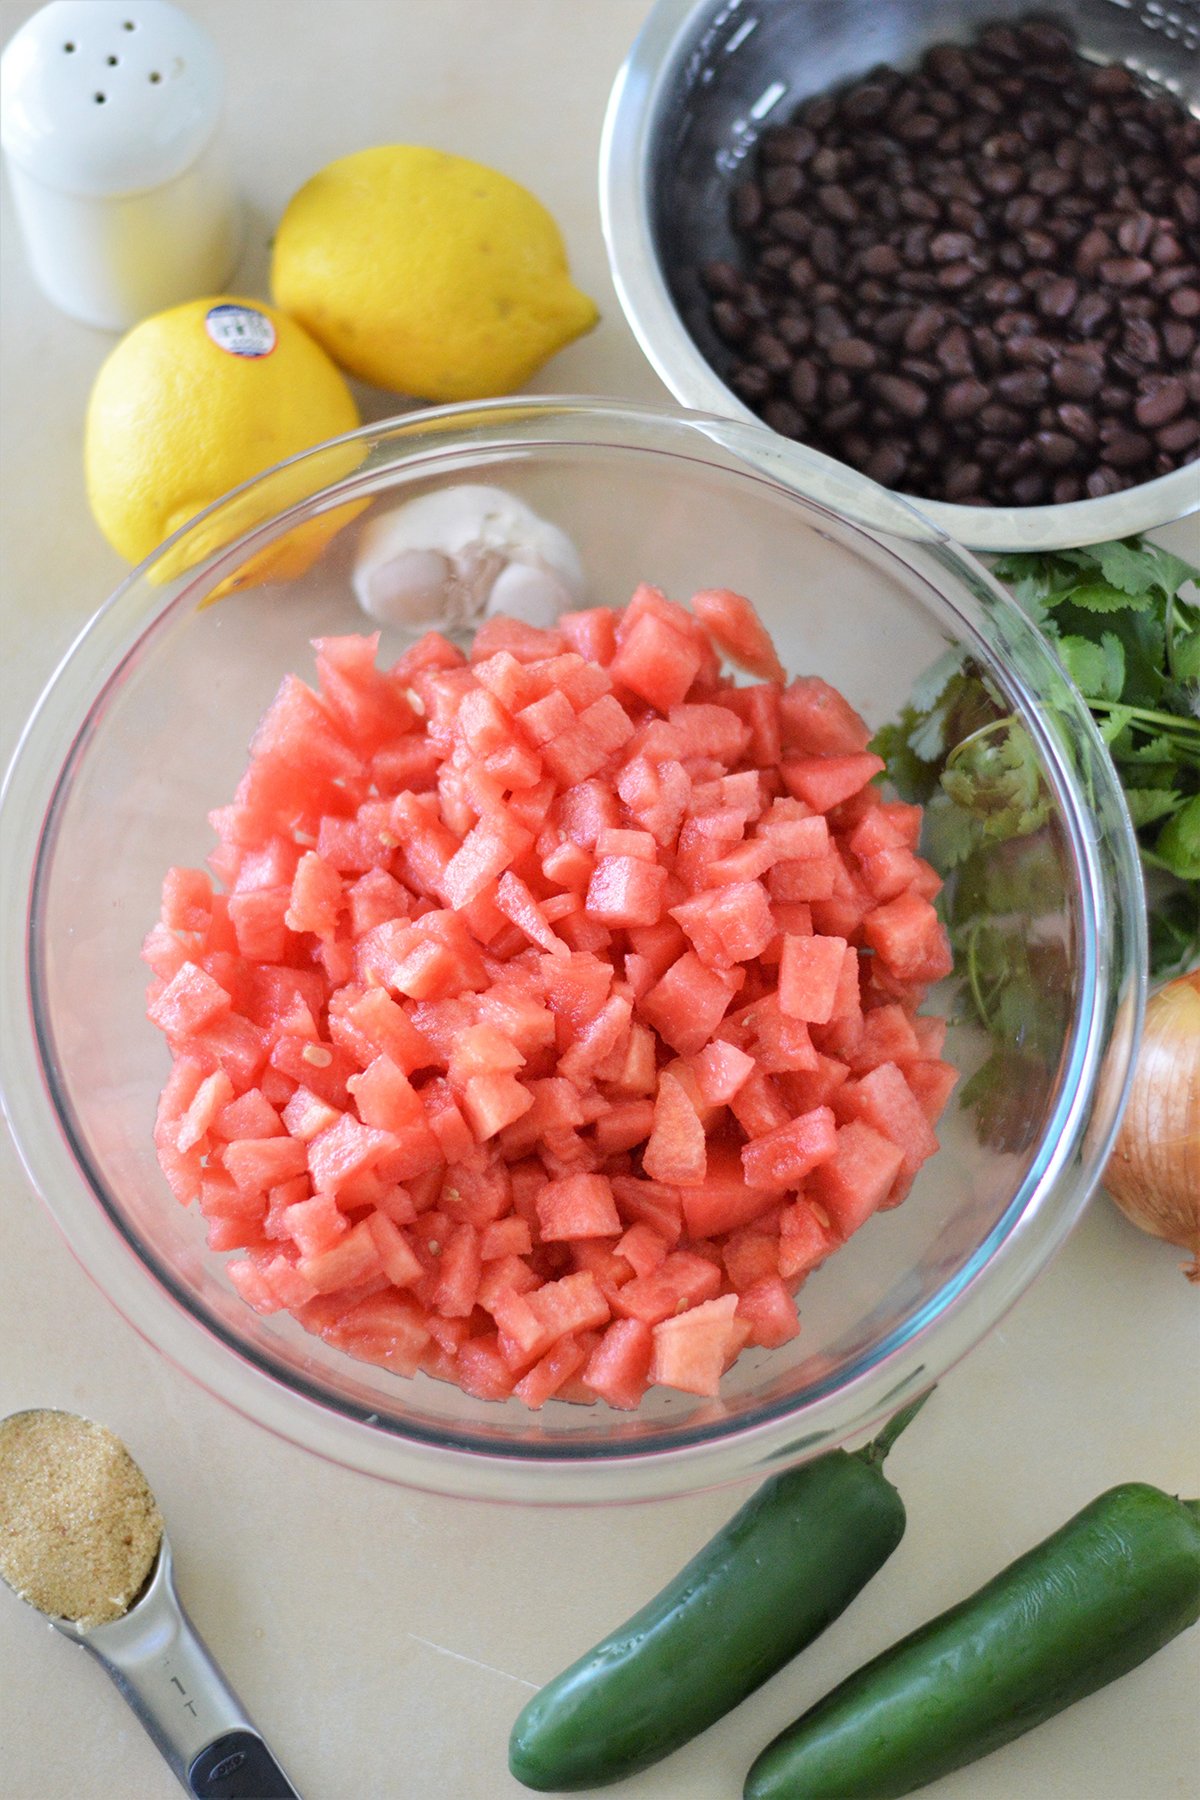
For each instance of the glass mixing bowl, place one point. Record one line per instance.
(145, 727)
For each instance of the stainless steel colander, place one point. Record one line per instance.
(702, 82)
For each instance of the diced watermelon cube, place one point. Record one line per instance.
(769, 1310)
(804, 1239)
(810, 971)
(823, 782)
(911, 940)
(626, 890)
(688, 1003)
(785, 1156)
(858, 1178)
(618, 1368)
(579, 1206)
(818, 721)
(726, 1201)
(561, 1361)
(677, 1150)
(656, 662)
(190, 1001)
(736, 628)
(690, 1350)
(681, 1281)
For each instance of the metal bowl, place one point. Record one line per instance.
(702, 82)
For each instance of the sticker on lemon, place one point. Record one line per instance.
(427, 274)
(196, 400)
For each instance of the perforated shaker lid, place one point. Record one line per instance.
(104, 97)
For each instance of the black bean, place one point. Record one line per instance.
(1058, 298)
(952, 277)
(783, 417)
(1125, 271)
(790, 224)
(1135, 232)
(841, 418)
(1187, 203)
(788, 143)
(770, 353)
(1103, 480)
(1091, 311)
(1024, 387)
(730, 321)
(950, 246)
(1055, 448)
(781, 184)
(946, 64)
(1126, 449)
(837, 388)
(925, 326)
(1092, 250)
(1181, 434)
(1141, 343)
(865, 102)
(1179, 340)
(795, 330)
(953, 352)
(825, 250)
(888, 462)
(963, 399)
(961, 480)
(880, 259)
(721, 278)
(804, 383)
(1080, 423)
(751, 384)
(1029, 489)
(1164, 250)
(1160, 402)
(1022, 212)
(916, 204)
(1185, 302)
(838, 203)
(900, 395)
(1000, 421)
(852, 353)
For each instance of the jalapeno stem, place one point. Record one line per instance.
(875, 1452)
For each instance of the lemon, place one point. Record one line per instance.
(196, 400)
(427, 274)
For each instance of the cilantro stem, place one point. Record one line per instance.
(1167, 723)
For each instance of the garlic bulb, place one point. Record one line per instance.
(1154, 1171)
(440, 561)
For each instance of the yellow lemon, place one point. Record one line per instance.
(196, 400)
(427, 274)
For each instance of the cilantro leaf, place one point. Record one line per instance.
(1134, 568)
(1102, 597)
(1148, 804)
(1097, 669)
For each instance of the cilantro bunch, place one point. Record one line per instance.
(1128, 637)
(1125, 633)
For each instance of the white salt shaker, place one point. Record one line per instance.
(109, 118)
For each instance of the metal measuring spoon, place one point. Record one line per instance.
(162, 1666)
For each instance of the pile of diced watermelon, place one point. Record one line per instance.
(560, 1013)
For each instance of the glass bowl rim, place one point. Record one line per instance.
(452, 1461)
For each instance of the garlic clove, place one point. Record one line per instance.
(435, 561)
(407, 589)
(530, 592)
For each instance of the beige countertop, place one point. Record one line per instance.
(385, 1639)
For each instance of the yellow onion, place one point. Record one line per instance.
(1154, 1171)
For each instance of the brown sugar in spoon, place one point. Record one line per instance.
(82, 1540)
